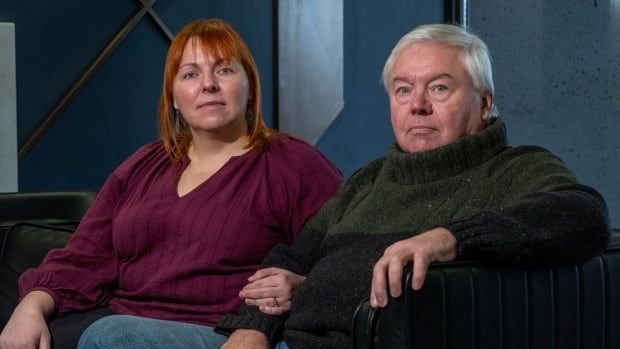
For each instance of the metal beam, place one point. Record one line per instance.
(45, 123)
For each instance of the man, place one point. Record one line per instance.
(450, 188)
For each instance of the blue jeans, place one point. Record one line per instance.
(133, 332)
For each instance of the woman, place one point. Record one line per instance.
(178, 228)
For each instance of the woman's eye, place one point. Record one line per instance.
(225, 70)
(189, 75)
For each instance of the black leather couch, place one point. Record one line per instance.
(462, 304)
(30, 225)
(480, 305)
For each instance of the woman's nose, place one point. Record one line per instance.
(210, 84)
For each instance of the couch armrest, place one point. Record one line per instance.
(481, 305)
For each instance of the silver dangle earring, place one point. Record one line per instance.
(177, 120)
(250, 119)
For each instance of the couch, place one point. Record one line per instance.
(462, 304)
(483, 305)
(30, 225)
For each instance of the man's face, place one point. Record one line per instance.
(432, 98)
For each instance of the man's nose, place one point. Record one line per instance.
(420, 103)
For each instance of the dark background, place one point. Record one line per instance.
(556, 73)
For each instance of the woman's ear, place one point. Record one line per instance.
(486, 106)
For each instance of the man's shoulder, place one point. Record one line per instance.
(527, 159)
(368, 173)
(527, 153)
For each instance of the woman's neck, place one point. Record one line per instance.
(209, 145)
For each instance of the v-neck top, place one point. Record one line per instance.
(152, 253)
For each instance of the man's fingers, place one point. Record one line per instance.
(395, 274)
(420, 266)
(378, 296)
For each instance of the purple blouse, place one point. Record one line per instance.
(152, 253)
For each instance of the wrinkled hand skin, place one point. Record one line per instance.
(268, 283)
(435, 245)
(246, 339)
(27, 328)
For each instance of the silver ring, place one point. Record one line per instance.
(275, 302)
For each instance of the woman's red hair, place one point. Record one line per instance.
(219, 40)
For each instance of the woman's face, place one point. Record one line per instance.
(432, 98)
(212, 96)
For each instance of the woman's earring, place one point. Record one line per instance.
(250, 119)
(177, 120)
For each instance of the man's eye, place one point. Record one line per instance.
(440, 88)
(402, 90)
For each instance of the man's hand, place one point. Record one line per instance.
(437, 244)
(271, 290)
(246, 339)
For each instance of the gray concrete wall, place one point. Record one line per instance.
(557, 76)
(8, 117)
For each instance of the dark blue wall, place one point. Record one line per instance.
(116, 112)
(362, 131)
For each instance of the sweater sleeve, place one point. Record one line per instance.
(299, 258)
(547, 218)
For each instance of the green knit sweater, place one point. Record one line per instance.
(506, 204)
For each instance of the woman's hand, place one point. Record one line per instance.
(271, 290)
(243, 339)
(27, 327)
(437, 244)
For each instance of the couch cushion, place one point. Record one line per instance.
(23, 246)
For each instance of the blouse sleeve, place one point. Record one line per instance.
(80, 275)
(306, 179)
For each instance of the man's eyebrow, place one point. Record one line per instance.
(401, 79)
(432, 78)
(441, 76)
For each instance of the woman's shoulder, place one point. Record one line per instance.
(145, 156)
(285, 144)
(296, 153)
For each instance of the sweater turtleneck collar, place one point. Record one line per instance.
(448, 160)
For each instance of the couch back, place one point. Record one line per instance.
(478, 305)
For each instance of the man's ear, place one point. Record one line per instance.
(486, 106)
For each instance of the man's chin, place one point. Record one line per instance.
(417, 145)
